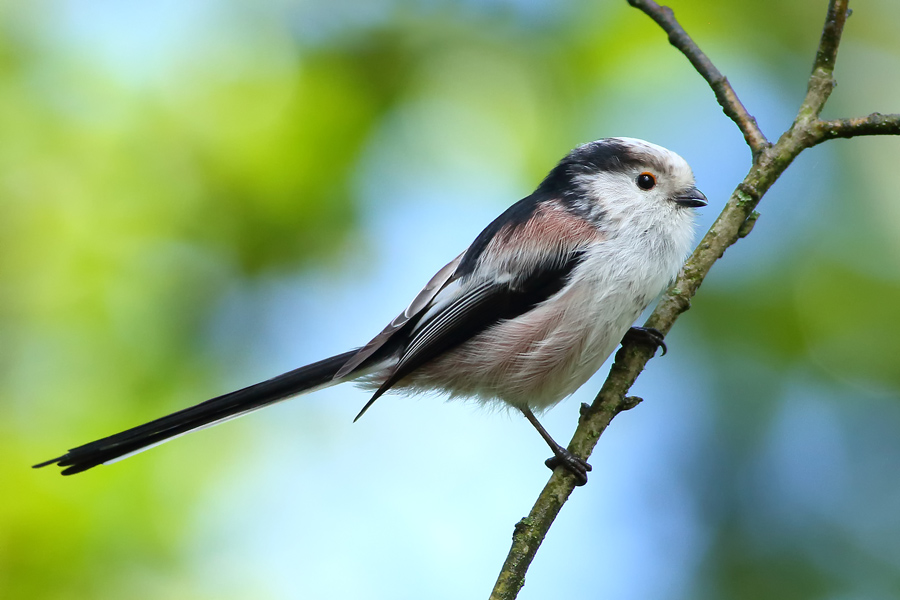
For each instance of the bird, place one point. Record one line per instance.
(522, 317)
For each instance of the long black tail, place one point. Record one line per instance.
(204, 414)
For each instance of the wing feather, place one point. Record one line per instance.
(476, 310)
(418, 305)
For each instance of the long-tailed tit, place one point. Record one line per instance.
(524, 316)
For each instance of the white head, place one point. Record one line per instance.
(617, 179)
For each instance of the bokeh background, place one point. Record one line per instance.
(198, 195)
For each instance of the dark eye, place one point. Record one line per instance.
(646, 181)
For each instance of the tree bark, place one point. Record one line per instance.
(734, 222)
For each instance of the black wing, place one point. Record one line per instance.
(415, 309)
(474, 311)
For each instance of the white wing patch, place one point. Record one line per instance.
(447, 318)
(419, 303)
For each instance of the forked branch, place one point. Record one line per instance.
(725, 94)
(769, 163)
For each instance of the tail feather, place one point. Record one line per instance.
(205, 414)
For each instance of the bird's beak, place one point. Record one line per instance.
(691, 197)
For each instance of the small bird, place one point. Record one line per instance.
(524, 316)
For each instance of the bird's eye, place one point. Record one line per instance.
(646, 181)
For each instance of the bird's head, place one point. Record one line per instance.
(622, 177)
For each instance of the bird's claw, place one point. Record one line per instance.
(646, 335)
(574, 465)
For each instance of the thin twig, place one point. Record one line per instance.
(725, 94)
(821, 81)
(874, 124)
(732, 224)
(826, 55)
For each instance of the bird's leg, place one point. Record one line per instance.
(646, 335)
(561, 456)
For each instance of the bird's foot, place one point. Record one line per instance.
(576, 466)
(646, 335)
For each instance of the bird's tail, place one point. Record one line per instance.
(212, 412)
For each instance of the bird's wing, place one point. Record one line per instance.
(417, 306)
(459, 314)
(521, 259)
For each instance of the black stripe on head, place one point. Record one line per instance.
(609, 155)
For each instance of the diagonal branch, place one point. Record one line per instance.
(826, 55)
(734, 222)
(821, 81)
(725, 94)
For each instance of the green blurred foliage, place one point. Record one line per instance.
(127, 212)
(131, 204)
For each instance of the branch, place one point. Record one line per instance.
(821, 81)
(874, 124)
(725, 94)
(734, 222)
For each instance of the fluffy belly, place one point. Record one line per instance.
(535, 360)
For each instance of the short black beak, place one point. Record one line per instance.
(691, 197)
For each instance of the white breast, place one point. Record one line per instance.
(543, 356)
